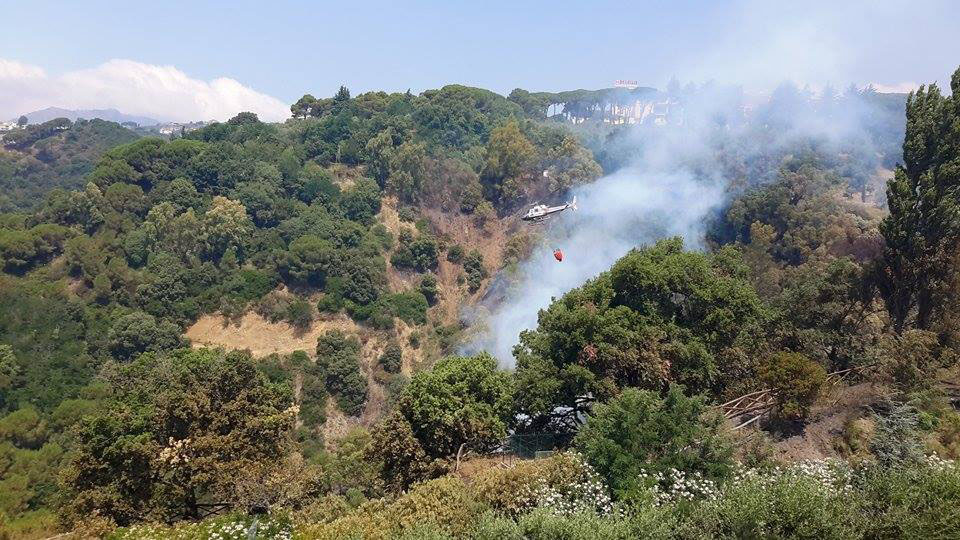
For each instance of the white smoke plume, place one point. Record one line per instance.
(673, 186)
(617, 213)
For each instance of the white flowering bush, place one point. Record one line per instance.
(937, 463)
(833, 476)
(806, 499)
(231, 527)
(673, 486)
(588, 495)
(563, 484)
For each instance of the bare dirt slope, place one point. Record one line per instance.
(260, 336)
(826, 423)
(489, 239)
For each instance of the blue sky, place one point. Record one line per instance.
(282, 49)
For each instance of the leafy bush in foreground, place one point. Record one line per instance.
(638, 430)
(813, 499)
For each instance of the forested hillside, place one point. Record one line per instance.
(53, 155)
(322, 217)
(363, 225)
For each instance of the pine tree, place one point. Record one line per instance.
(342, 95)
(922, 231)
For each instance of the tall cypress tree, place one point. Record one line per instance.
(922, 232)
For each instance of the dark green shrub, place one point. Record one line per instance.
(455, 253)
(471, 197)
(332, 300)
(383, 236)
(409, 306)
(394, 387)
(428, 287)
(392, 358)
(313, 394)
(299, 313)
(364, 277)
(329, 304)
(273, 306)
(139, 332)
(419, 254)
(475, 270)
(362, 201)
(254, 284)
(339, 358)
(407, 214)
(317, 185)
(381, 317)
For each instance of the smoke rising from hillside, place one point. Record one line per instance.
(673, 185)
(629, 208)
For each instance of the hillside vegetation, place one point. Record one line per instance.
(350, 235)
(57, 154)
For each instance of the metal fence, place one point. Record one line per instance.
(536, 445)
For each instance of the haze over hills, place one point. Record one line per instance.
(112, 115)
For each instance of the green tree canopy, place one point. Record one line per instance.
(569, 164)
(923, 229)
(339, 357)
(180, 428)
(243, 119)
(140, 332)
(659, 315)
(509, 160)
(796, 383)
(462, 400)
(392, 358)
(10, 370)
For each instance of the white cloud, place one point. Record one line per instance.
(10, 69)
(162, 92)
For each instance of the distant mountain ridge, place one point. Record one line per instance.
(112, 115)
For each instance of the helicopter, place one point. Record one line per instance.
(540, 212)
